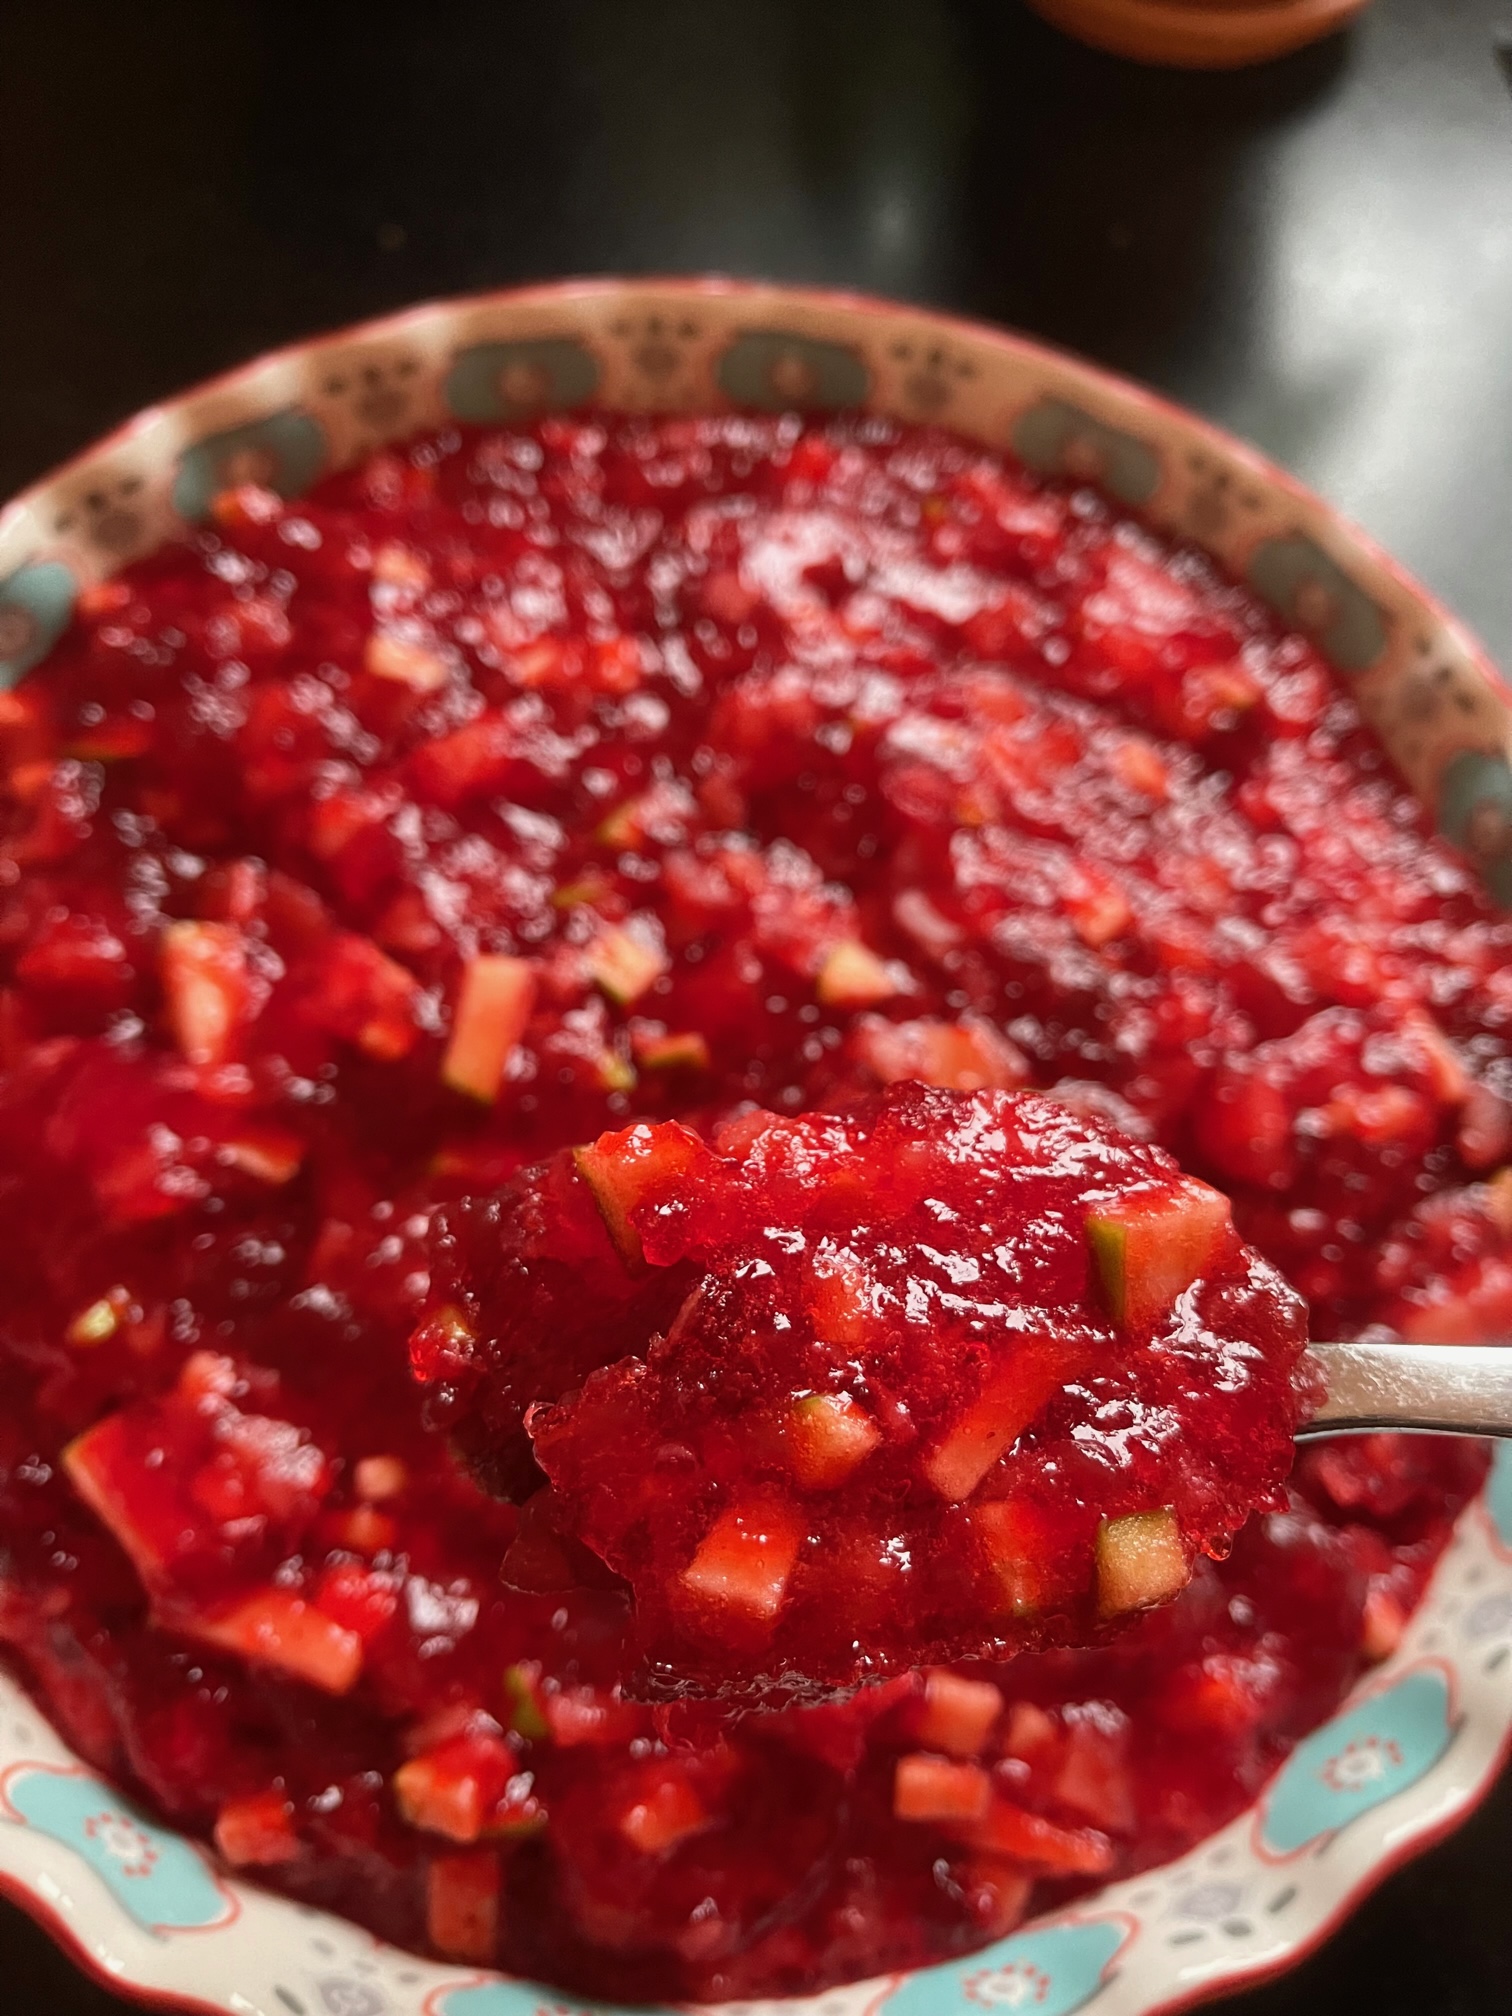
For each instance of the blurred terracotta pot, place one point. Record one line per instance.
(1200, 34)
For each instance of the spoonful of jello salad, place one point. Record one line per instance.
(943, 1375)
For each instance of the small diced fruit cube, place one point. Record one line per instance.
(839, 1295)
(376, 1479)
(493, 1009)
(277, 1628)
(104, 1469)
(744, 1562)
(938, 1788)
(668, 1811)
(271, 1155)
(624, 966)
(1017, 1549)
(100, 1321)
(851, 976)
(205, 987)
(404, 661)
(684, 1050)
(828, 1436)
(1033, 1736)
(962, 1056)
(1151, 1245)
(1036, 1843)
(956, 1715)
(257, 1832)
(625, 1169)
(452, 1790)
(1037, 1370)
(462, 1905)
(1140, 1561)
(1098, 909)
(997, 1893)
(578, 1716)
(523, 1708)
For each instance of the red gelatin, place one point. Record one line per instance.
(363, 850)
(949, 1374)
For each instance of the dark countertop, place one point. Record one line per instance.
(1318, 254)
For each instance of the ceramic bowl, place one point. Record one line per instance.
(1420, 1741)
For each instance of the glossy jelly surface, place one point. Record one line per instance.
(947, 1375)
(366, 849)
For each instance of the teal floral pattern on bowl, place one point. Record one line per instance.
(1309, 590)
(1060, 439)
(158, 1878)
(1421, 1742)
(507, 381)
(285, 452)
(1051, 1970)
(35, 605)
(1358, 1761)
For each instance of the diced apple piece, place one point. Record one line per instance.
(257, 1832)
(100, 1321)
(1017, 1551)
(669, 1812)
(1034, 1736)
(957, 1716)
(367, 998)
(624, 966)
(839, 1296)
(828, 1436)
(624, 1169)
(938, 1788)
(1009, 1829)
(1151, 1245)
(102, 1469)
(1140, 1561)
(396, 566)
(1142, 768)
(1037, 1370)
(462, 1897)
(962, 1056)
(271, 1155)
(683, 1050)
(376, 1479)
(1094, 1780)
(277, 1628)
(578, 1716)
(615, 1072)
(852, 976)
(997, 1893)
(453, 1789)
(493, 1009)
(744, 1562)
(1098, 909)
(523, 1706)
(405, 662)
(205, 987)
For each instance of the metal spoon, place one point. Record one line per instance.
(1450, 1389)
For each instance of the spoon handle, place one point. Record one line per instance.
(1453, 1389)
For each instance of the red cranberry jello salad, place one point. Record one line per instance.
(601, 1028)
